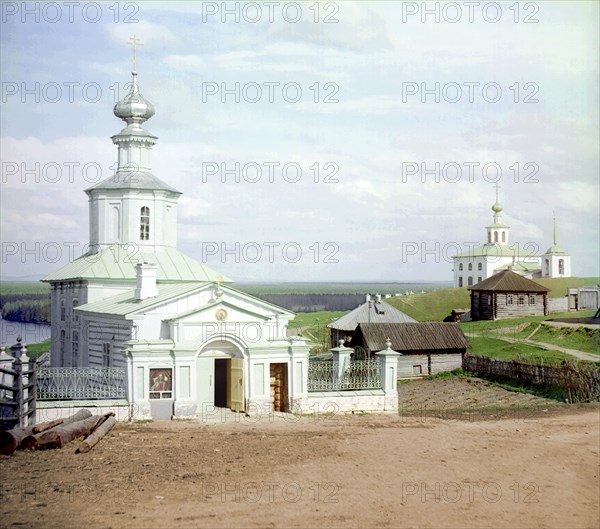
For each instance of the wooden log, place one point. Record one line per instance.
(38, 428)
(30, 441)
(91, 440)
(59, 436)
(11, 440)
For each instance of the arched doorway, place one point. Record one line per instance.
(221, 375)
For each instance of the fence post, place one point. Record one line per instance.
(18, 392)
(389, 375)
(341, 358)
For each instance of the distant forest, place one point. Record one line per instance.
(314, 302)
(25, 308)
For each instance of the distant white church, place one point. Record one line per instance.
(497, 254)
(187, 338)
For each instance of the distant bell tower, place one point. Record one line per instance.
(133, 206)
(497, 233)
(556, 262)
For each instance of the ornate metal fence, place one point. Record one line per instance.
(326, 375)
(81, 383)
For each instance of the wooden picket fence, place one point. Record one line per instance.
(580, 381)
(17, 391)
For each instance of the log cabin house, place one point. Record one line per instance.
(506, 295)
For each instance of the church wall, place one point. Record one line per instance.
(102, 335)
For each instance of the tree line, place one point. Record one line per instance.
(25, 308)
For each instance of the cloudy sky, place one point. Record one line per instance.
(360, 97)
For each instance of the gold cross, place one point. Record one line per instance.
(219, 279)
(134, 41)
(497, 187)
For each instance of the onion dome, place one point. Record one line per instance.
(134, 108)
(497, 207)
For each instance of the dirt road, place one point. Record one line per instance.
(324, 471)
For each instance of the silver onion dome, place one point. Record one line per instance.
(134, 108)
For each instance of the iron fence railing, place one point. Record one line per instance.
(81, 383)
(326, 375)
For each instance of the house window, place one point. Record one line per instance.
(417, 370)
(460, 281)
(75, 315)
(145, 224)
(503, 236)
(106, 356)
(479, 279)
(470, 266)
(509, 299)
(63, 340)
(470, 281)
(561, 266)
(460, 267)
(75, 349)
(63, 310)
(479, 266)
(489, 299)
(160, 383)
(532, 300)
(521, 300)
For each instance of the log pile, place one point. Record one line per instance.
(58, 433)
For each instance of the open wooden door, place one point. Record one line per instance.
(236, 385)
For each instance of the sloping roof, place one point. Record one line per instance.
(374, 312)
(413, 336)
(117, 262)
(498, 250)
(522, 266)
(125, 303)
(133, 180)
(509, 281)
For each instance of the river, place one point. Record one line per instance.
(29, 332)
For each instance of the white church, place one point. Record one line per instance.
(187, 338)
(497, 254)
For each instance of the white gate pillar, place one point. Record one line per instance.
(389, 375)
(341, 358)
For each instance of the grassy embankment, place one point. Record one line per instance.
(436, 305)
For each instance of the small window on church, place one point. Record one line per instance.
(495, 236)
(460, 267)
(75, 315)
(63, 341)
(479, 279)
(106, 356)
(470, 281)
(561, 266)
(470, 266)
(503, 236)
(75, 349)
(63, 311)
(145, 224)
(489, 236)
(460, 282)
(479, 266)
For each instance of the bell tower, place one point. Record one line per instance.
(497, 233)
(133, 206)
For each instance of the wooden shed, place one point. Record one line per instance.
(426, 348)
(506, 295)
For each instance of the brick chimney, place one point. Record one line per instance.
(145, 277)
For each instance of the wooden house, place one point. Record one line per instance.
(374, 310)
(506, 295)
(426, 348)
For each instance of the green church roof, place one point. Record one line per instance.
(118, 262)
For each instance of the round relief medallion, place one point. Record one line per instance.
(221, 315)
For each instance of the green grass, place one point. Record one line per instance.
(559, 285)
(580, 338)
(432, 306)
(514, 351)
(484, 326)
(310, 319)
(23, 287)
(35, 350)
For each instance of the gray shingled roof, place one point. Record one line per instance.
(425, 336)
(380, 312)
(133, 180)
(509, 281)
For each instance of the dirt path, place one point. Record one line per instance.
(318, 471)
(581, 355)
